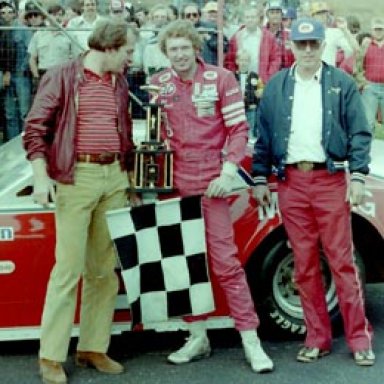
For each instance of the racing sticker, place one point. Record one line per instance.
(165, 77)
(7, 234)
(210, 75)
(232, 91)
(7, 267)
(167, 89)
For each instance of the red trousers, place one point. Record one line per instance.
(225, 264)
(315, 212)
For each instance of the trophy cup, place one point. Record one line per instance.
(153, 170)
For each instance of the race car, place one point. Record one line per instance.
(27, 242)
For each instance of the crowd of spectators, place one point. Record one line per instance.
(254, 44)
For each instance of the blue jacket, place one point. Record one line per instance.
(346, 134)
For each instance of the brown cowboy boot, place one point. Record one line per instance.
(52, 372)
(98, 360)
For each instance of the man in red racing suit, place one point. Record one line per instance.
(204, 112)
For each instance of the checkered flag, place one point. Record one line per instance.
(162, 252)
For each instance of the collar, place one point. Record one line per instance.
(316, 77)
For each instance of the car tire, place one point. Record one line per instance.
(276, 297)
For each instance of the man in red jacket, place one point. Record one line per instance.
(78, 133)
(259, 42)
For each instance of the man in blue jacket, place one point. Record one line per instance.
(311, 123)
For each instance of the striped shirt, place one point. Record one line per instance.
(97, 115)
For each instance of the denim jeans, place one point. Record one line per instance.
(373, 97)
(16, 104)
(251, 118)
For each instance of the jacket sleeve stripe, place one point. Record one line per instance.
(235, 120)
(231, 107)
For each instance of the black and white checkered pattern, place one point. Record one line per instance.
(162, 252)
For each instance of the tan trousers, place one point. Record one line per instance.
(83, 249)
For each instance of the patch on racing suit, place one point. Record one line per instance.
(232, 91)
(164, 77)
(210, 75)
(168, 89)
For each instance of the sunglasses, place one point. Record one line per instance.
(34, 14)
(190, 15)
(313, 44)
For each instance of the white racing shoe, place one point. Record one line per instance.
(195, 348)
(254, 352)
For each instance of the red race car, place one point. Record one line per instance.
(27, 241)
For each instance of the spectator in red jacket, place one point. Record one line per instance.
(275, 25)
(264, 51)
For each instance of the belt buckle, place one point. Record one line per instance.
(106, 157)
(305, 166)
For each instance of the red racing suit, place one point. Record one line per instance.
(202, 117)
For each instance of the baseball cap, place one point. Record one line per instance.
(274, 4)
(117, 6)
(289, 13)
(31, 8)
(378, 23)
(319, 6)
(211, 6)
(307, 29)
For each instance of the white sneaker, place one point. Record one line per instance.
(254, 353)
(194, 349)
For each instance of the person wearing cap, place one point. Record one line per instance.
(289, 14)
(205, 115)
(117, 10)
(311, 122)
(78, 136)
(275, 25)
(371, 61)
(33, 15)
(259, 42)
(336, 38)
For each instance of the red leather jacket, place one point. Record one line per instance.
(50, 127)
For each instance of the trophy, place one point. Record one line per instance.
(153, 170)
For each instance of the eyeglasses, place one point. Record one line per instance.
(34, 14)
(7, 12)
(190, 15)
(303, 44)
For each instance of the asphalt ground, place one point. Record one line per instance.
(144, 357)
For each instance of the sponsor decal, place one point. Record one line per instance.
(165, 77)
(209, 90)
(210, 75)
(7, 267)
(233, 91)
(7, 234)
(168, 89)
(305, 28)
(287, 324)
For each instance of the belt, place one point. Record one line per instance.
(98, 158)
(306, 166)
